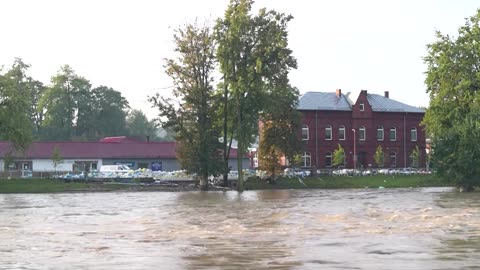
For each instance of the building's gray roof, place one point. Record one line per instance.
(330, 101)
(323, 101)
(383, 104)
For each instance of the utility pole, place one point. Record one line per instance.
(354, 152)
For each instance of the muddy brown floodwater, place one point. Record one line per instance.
(426, 228)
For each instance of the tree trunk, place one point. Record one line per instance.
(204, 182)
(225, 130)
(225, 177)
(240, 171)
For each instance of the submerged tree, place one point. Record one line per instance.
(193, 118)
(453, 117)
(253, 53)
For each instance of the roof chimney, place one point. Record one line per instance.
(338, 92)
(386, 94)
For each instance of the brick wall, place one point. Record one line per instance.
(318, 146)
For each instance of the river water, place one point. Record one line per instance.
(426, 228)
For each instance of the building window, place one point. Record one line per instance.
(305, 132)
(142, 165)
(25, 166)
(393, 159)
(341, 133)
(413, 134)
(12, 166)
(362, 133)
(328, 159)
(362, 107)
(328, 133)
(412, 160)
(393, 134)
(307, 159)
(380, 133)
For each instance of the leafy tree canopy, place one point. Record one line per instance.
(453, 117)
(193, 117)
(139, 126)
(254, 58)
(15, 113)
(379, 156)
(339, 156)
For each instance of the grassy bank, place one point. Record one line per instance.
(332, 182)
(320, 182)
(51, 186)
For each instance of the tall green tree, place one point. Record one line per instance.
(280, 122)
(339, 156)
(36, 91)
(15, 124)
(379, 156)
(84, 128)
(72, 110)
(253, 52)
(56, 157)
(110, 111)
(453, 117)
(66, 105)
(139, 126)
(225, 118)
(194, 117)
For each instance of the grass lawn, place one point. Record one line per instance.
(318, 182)
(331, 182)
(51, 186)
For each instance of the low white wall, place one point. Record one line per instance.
(46, 165)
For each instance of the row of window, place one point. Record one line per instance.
(362, 133)
(307, 159)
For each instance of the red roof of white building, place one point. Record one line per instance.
(96, 150)
(110, 147)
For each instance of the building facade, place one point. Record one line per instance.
(87, 156)
(360, 122)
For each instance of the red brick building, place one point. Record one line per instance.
(359, 123)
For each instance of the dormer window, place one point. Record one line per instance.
(362, 107)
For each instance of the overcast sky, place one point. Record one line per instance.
(352, 45)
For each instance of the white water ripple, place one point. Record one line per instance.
(434, 228)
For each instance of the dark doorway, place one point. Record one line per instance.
(362, 160)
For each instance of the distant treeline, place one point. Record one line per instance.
(68, 109)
